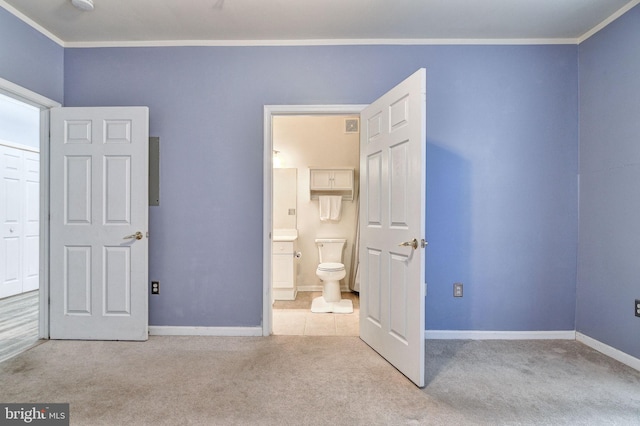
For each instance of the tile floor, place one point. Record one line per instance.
(294, 318)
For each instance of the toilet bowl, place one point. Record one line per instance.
(330, 274)
(330, 271)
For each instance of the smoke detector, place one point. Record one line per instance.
(86, 5)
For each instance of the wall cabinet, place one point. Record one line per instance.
(333, 181)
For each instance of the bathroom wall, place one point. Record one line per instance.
(285, 194)
(319, 141)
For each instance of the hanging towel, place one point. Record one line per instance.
(336, 207)
(330, 207)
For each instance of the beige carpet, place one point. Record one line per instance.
(287, 380)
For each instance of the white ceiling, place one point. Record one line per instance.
(149, 22)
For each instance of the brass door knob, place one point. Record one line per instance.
(137, 236)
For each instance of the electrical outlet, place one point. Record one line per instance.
(155, 287)
(457, 289)
(637, 306)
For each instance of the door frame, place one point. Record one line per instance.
(44, 104)
(267, 193)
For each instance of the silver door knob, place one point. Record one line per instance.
(137, 236)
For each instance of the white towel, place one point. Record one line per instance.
(336, 207)
(330, 207)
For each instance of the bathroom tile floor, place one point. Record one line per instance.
(294, 318)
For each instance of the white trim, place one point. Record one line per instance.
(156, 330)
(267, 223)
(624, 9)
(318, 42)
(313, 287)
(322, 42)
(44, 223)
(33, 24)
(19, 146)
(32, 98)
(609, 351)
(25, 95)
(269, 112)
(499, 335)
(318, 287)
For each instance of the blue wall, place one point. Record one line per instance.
(501, 183)
(502, 166)
(29, 59)
(609, 255)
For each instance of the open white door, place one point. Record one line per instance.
(392, 190)
(98, 225)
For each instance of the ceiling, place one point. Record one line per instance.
(149, 22)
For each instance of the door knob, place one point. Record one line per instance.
(137, 236)
(413, 243)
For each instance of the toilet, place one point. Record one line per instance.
(330, 271)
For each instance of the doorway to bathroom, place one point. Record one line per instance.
(307, 144)
(391, 238)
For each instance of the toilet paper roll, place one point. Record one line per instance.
(298, 255)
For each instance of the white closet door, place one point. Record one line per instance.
(19, 218)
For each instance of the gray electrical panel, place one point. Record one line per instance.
(154, 171)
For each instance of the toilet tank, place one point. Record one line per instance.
(330, 249)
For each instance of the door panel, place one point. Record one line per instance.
(117, 282)
(99, 201)
(77, 280)
(392, 156)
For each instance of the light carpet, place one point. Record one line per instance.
(301, 380)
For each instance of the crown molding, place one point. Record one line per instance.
(321, 42)
(318, 42)
(624, 9)
(24, 18)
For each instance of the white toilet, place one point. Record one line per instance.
(331, 270)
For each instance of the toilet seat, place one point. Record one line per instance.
(330, 267)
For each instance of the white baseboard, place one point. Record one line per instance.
(609, 351)
(157, 330)
(499, 335)
(318, 287)
(311, 287)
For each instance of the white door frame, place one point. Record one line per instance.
(44, 104)
(267, 222)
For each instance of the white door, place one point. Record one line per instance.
(98, 226)
(392, 188)
(19, 218)
(31, 221)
